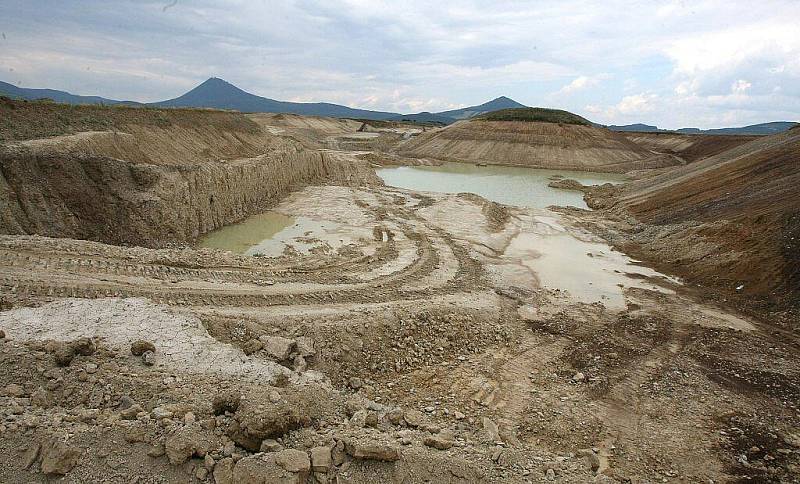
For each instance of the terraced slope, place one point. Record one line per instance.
(535, 144)
(731, 219)
(690, 147)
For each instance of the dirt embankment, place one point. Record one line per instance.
(535, 144)
(689, 147)
(158, 177)
(729, 220)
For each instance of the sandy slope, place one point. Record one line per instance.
(534, 144)
(690, 147)
(732, 219)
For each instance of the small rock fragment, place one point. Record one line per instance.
(130, 412)
(125, 402)
(490, 431)
(414, 418)
(226, 402)
(156, 450)
(149, 358)
(305, 346)
(372, 451)
(270, 445)
(30, 455)
(252, 346)
(355, 383)
(59, 457)
(371, 419)
(64, 354)
(438, 442)
(84, 346)
(277, 347)
(188, 441)
(14, 390)
(139, 347)
(159, 413)
(293, 460)
(395, 416)
(338, 453)
(321, 459)
(299, 364)
(223, 471)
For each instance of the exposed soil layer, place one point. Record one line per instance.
(153, 184)
(730, 220)
(535, 144)
(690, 147)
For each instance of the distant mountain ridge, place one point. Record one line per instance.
(220, 94)
(753, 129)
(13, 91)
(217, 93)
(639, 127)
(496, 104)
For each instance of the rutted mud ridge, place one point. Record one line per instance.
(447, 338)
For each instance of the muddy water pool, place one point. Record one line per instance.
(522, 187)
(271, 234)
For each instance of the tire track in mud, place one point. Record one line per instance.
(39, 268)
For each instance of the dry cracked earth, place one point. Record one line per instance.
(433, 345)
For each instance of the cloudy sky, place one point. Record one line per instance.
(674, 64)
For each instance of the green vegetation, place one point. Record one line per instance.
(542, 115)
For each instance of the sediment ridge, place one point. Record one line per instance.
(535, 144)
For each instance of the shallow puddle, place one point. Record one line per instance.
(522, 187)
(272, 234)
(240, 237)
(588, 271)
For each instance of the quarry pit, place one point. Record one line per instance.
(400, 335)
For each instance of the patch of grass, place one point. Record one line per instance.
(542, 115)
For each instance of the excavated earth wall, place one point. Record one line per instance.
(156, 185)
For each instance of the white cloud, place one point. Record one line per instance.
(674, 63)
(740, 86)
(582, 82)
(637, 104)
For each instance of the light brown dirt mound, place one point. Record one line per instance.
(23, 120)
(732, 219)
(690, 147)
(317, 124)
(534, 144)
